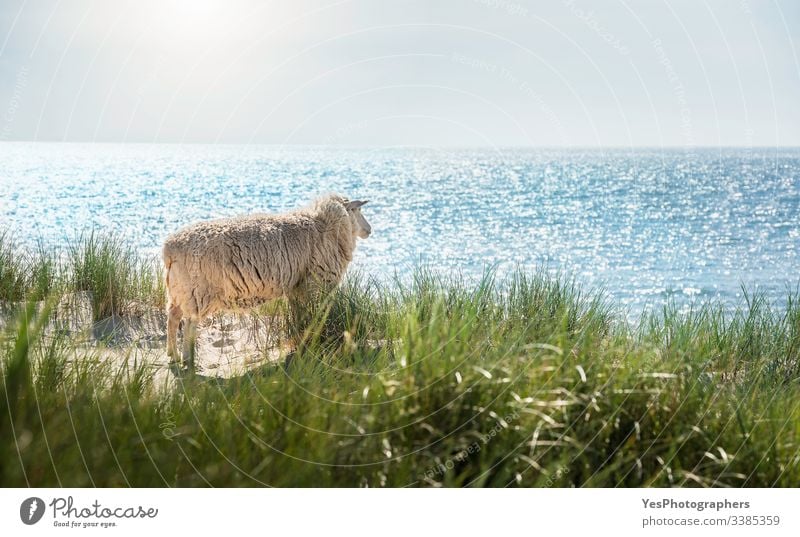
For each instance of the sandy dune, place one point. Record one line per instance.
(228, 345)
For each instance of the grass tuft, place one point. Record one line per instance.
(111, 271)
(13, 282)
(26, 275)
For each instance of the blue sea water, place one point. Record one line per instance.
(649, 225)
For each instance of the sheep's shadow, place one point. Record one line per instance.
(125, 331)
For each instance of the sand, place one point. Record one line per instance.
(228, 345)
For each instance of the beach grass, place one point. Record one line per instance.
(112, 272)
(14, 280)
(523, 380)
(26, 274)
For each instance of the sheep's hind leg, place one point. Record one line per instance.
(173, 321)
(189, 342)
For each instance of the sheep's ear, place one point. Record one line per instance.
(355, 204)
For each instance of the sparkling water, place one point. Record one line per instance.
(648, 225)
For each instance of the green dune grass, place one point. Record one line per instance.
(526, 380)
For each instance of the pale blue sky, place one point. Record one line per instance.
(467, 72)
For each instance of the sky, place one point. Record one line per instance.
(681, 73)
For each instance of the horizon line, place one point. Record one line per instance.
(403, 146)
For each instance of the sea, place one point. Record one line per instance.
(648, 226)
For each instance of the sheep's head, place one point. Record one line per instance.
(361, 227)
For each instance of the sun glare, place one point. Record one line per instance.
(190, 19)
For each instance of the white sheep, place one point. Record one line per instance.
(238, 263)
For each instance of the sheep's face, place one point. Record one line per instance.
(361, 227)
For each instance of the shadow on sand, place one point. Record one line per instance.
(187, 376)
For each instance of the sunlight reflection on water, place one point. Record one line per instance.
(645, 224)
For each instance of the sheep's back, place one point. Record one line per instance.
(245, 256)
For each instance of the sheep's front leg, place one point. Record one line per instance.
(299, 315)
(307, 305)
(189, 340)
(173, 321)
